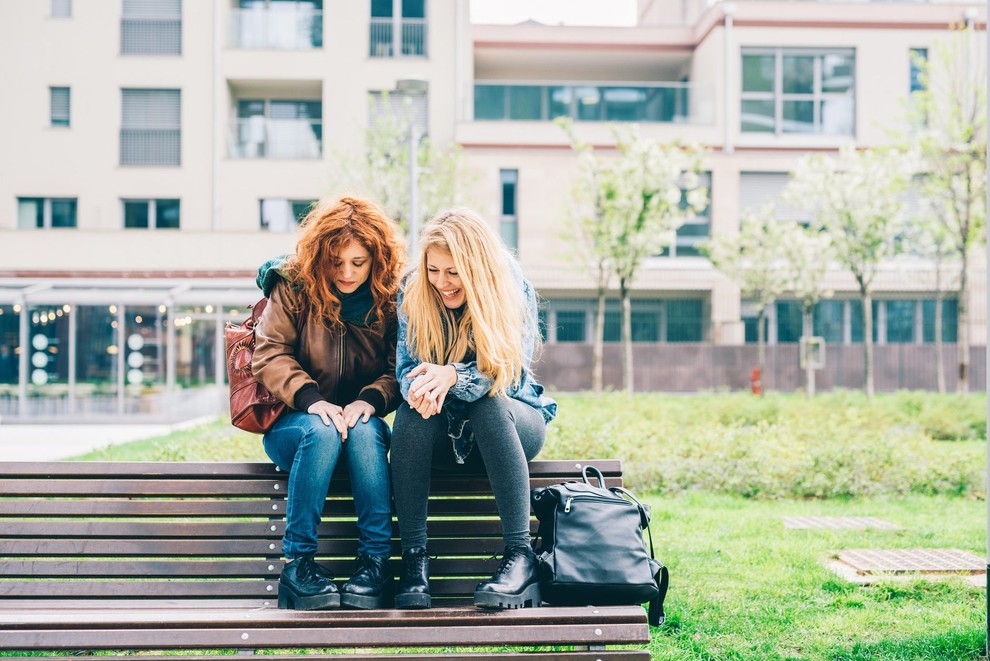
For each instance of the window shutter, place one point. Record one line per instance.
(151, 27)
(150, 127)
(60, 106)
(755, 188)
(61, 8)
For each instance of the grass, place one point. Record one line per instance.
(721, 470)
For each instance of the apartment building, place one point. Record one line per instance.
(157, 151)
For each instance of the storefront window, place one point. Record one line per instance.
(97, 349)
(48, 360)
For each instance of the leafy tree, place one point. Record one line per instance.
(383, 171)
(754, 260)
(856, 200)
(587, 233)
(636, 206)
(806, 253)
(949, 132)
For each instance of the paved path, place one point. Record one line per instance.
(27, 442)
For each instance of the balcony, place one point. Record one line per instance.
(678, 103)
(289, 27)
(261, 137)
(408, 40)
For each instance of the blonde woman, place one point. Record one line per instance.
(467, 333)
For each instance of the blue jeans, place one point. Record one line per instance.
(308, 450)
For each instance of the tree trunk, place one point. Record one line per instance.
(626, 336)
(939, 298)
(807, 332)
(761, 348)
(963, 325)
(599, 343)
(868, 341)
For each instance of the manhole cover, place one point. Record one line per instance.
(870, 561)
(837, 523)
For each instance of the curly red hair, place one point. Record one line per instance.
(326, 230)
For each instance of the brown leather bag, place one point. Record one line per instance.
(253, 407)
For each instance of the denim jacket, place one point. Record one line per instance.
(472, 384)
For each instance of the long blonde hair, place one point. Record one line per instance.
(495, 315)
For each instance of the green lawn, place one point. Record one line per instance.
(720, 470)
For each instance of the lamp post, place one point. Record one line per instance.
(413, 86)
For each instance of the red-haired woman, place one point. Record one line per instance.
(326, 347)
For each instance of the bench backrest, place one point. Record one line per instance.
(159, 530)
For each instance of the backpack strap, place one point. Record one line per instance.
(656, 615)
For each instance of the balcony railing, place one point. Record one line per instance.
(289, 27)
(409, 39)
(593, 102)
(261, 137)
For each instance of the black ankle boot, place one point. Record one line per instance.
(305, 585)
(414, 586)
(515, 583)
(370, 585)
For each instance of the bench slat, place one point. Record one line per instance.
(611, 655)
(216, 470)
(219, 548)
(227, 530)
(213, 568)
(221, 488)
(61, 508)
(152, 638)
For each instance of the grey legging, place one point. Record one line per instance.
(507, 434)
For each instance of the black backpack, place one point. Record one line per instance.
(592, 549)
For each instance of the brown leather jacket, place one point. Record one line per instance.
(340, 366)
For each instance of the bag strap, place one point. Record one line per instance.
(644, 514)
(597, 473)
(655, 615)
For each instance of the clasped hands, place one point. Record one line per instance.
(429, 387)
(342, 418)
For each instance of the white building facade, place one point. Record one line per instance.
(157, 151)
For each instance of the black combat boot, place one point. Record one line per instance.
(305, 585)
(371, 583)
(414, 586)
(515, 583)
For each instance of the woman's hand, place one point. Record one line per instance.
(331, 415)
(358, 410)
(429, 387)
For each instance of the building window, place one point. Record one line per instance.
(652, 320)
(657, 102)
(509, 222)
(150, 131)
(283, 215)
(950, 320)
(788, 91)
(788, 321)
(398, 27)
(917, 57)
(46, 212)
(151, 214)
(278, 128)
(571, 326)
(696, 229)
(828, 321)
(277, 24)
(151, 27)
(391, 108)
(61, 8)
(59, 106)
(755, 188)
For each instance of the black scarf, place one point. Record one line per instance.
(356, 307)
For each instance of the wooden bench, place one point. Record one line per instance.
(186, 556)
